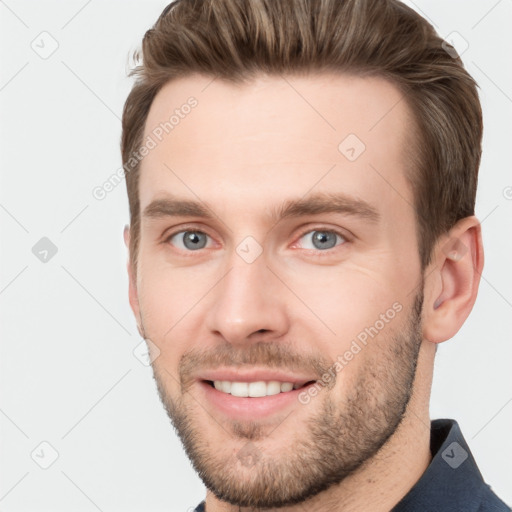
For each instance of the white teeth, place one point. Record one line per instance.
(254, 389)
(257, 389)
(240, 389)
(273, 387)
(286, 386)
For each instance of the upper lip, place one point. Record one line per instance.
(254, 375)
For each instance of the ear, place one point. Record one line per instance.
(451, 285)
(132, 285)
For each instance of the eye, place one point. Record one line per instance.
(319, 239)
(188, 240)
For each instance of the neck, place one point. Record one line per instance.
(381, 482)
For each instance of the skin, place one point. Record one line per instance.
(363, 441)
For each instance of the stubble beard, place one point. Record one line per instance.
(333, 443)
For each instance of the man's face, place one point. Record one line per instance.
(322, 297)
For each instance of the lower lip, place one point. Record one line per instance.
(250, 408)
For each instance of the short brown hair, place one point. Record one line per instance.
(235, 40)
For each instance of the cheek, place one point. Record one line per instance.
(345, 300)
(365, 318)
(164, 308)
(171, 301)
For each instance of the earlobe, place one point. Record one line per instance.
(126, 236)
(452, 284)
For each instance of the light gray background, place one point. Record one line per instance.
(68, 374)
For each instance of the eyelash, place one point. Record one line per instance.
(327, 252)
(315, 252)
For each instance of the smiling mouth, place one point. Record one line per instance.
(256, 389)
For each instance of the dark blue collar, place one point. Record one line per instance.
(452, 481)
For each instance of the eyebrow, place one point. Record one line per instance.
(314, 204)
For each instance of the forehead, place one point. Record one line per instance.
(284, 134)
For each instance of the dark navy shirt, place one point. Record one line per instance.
(452, 481)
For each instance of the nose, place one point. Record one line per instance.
(247, 304)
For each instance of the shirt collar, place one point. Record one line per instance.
(452, 481)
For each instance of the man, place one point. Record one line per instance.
(302, 178)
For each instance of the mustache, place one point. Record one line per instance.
(262, 354)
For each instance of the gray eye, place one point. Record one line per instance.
(321, 239)
(189, 240)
